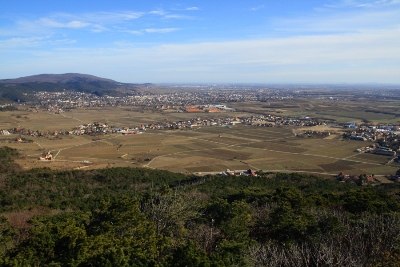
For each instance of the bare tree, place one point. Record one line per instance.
(361, 243)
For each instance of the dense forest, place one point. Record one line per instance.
(143, 217)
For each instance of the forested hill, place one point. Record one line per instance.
(143, 217)
(13, 89)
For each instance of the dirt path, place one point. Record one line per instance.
(225, 145)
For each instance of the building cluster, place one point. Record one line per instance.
(313, 134)
(361, 179)
(271, 120)
(55, 101)
(5, 132)
(32, 133)
(179, 99)
(207, 108)
(378, 149)
(98, 128)
(248, 172)
(366, 132)
(385, 138)
(46, 156)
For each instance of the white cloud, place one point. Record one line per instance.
(176, 16)
(95, 22)
(257, 8)
(160, 30)
(192, 8)
(332, 45)
(340, 22)
(18, 42)
(133, 32)
(151, 30)
(168, 15)
(33, 42)
(58, 42)
(372, 56)
(364, 4)
(72, 24)
(110, 17)
(158, 12)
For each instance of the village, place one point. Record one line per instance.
(175, 99)
(98, 128)
(294, 111)
(385, 138)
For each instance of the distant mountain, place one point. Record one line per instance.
(58, 78)
(14, 89)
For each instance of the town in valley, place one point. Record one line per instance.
(241, 127)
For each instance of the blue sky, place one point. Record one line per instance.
(251, 41)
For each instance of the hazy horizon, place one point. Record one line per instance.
(205, 83)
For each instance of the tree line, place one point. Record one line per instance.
(143, 217)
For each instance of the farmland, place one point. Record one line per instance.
(260, 129)
(354, 109)
(200, 150)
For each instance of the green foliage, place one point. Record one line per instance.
(7, 155)
(52, 239)
(142, 217)
(239, 222)
(76, 189)
(189, 255)
(170, 211)
(118, 236)
(6, 237)
(287, 224)
(368, 200)
(16, 90)
(230, 253)
(289, 221)
(218, 211)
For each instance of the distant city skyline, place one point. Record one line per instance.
(338, 41)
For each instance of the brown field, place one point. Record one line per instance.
(114, 116)
(205, 149)
(353, 109)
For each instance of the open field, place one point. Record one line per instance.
(387, 111)
(204, 149)
(115, 116)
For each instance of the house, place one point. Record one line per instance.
(342, 177)
(4, 132)
(250, 172)
(350, 125)
(46, 157)
(193, 109)
(362, 179)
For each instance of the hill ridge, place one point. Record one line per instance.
(16, 89)
(56, 78)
